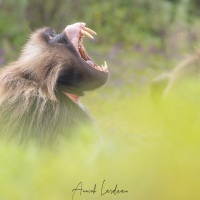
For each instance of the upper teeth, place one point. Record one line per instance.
(90, 31)
(80, 43)
(87, 32)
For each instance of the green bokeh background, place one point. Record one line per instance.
(153, 153)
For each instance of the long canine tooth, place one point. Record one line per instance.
(103, 68)
(86, 34)
(105, 65)
(90, 31)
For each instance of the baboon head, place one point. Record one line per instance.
(39, 92)
(60, 62)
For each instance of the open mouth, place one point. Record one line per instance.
(75, 33)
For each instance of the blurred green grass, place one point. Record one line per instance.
(131, 144)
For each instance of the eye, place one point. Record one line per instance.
(48, 35)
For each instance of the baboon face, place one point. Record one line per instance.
(64, 56)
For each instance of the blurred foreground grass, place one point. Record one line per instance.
(151, 153)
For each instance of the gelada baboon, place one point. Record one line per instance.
(183, 81)
(39, 93)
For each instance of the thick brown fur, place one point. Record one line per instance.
(32, 103)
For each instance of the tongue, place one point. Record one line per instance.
(90, 63)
